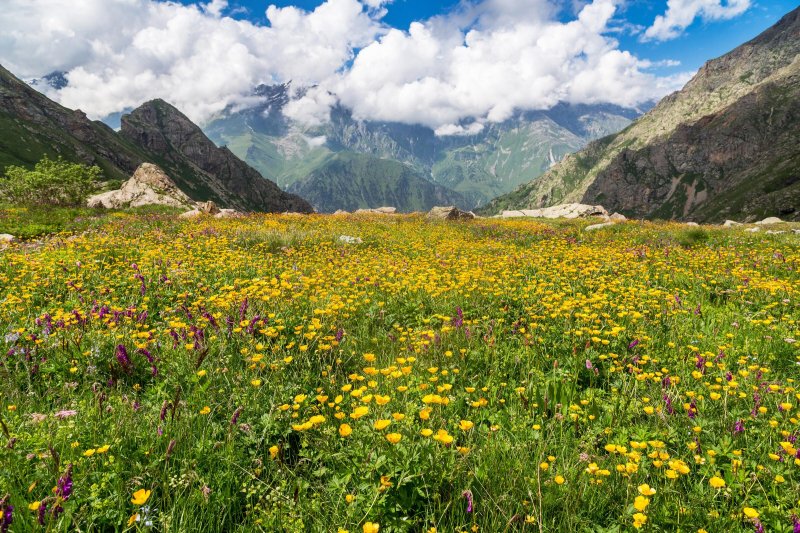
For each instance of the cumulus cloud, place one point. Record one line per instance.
(119, 53)
(455, 72)
(487, 61)
(681, 13)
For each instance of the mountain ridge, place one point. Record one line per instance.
(607, 169)
(32, 126)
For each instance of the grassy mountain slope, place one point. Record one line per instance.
(352, 181)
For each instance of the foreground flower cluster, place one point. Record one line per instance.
(265, 374)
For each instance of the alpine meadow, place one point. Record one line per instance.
(388, 266)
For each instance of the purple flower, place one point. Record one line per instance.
(41, 513)
(64, 484)
(123, 359)
(468, 495)
(458, 320)
(668, 403)
(6, 514)
(588, 364)
(738, 427)
(633, 344)
(235, 417)
(243, 309)
(339, 335)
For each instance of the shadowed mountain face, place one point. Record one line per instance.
(31, 126)
(479, 166)
(351, 181)
(725, 146)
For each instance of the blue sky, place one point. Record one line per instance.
(700, 42)
(477, 62)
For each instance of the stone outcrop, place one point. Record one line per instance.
(559, 211)
(449, 212)
(149, 185)
(377, 211)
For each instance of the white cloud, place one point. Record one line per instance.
(119, 53)
(681, 13)
(479, 63)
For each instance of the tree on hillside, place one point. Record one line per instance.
(56, 183)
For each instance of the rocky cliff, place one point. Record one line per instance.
(724, 146)
(198, 166)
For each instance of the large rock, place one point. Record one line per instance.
(731, 224)
(450, 212)
(377, 211)
(560, 211)
(769, 220)
(149, 185)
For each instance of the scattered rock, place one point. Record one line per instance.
(560, 211)
(731, 223)
(769, 220)
(691, 224)
(753, 230)
(341, 212)
(598, 226)
(7, 238)
(207, 208)
(350, 240)
(774, 232)
(149, 185)
(228, 213)
(450, 212)
(618, 217)
(377, 211)
(190, 214)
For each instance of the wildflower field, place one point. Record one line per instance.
(263, 374)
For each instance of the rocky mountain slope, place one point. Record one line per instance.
(198, 166)
(725, 146)
(31, 125)
(479, 166)
(351, 181)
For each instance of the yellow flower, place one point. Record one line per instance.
(426, 432)
(34, 506)
(349, 498)
(205, 410)
(140, 497)
(201, 373)
(89, 452)
(103, 449)
(639, 520)
(369, 527)
(394, 438)
(255, 383)
(133, 519)
(749, 512)
(641, 503)
(779, 479)
(443, 437)
(273, 451)
(716, 482)
(544, 465)
(359, 411)
(345, 430)
(559, 480)
(465, 425)
(382, 424)
(645, 490)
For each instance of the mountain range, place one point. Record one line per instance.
(31, 126)
(467, 170)
(725, 146)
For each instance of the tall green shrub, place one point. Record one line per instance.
(50, 183)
